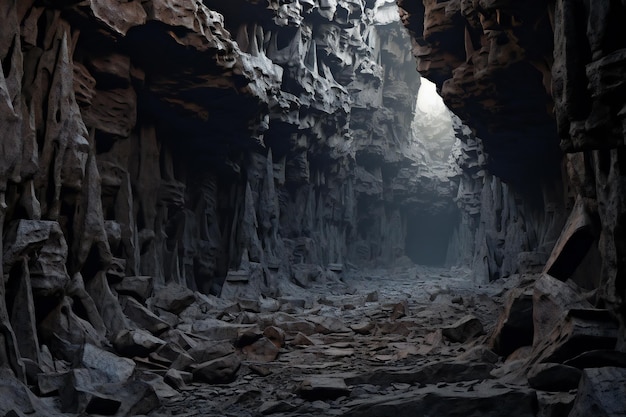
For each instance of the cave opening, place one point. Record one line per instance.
(428, 236)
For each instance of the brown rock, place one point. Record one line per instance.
(222, 370)
(580, 331)
(552, 299)
(263, 350)
(275, 335)
(463, 330)
(515, 325)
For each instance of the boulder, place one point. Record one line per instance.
(263, 350)
(275, 335)
(140, 287)
(552, 299)
(363, 327)
(203, 352)
(580, 331)
(220, 330)
(327, 324)
(602, 393)
(178, 379)
(142, 316)
(463, 330)
(173, 298)
(114, 368)
(217, 371)
(136, 342)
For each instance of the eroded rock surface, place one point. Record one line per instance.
(542, 85)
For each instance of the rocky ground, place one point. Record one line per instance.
(408, 342)
(414, 341)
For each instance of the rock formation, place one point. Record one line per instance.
(155, 151)
(156, 154)
(518, 75)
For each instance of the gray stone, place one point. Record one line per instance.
(142, 316)
(137, 342)
(602, 392)
(173, 298)
(486, 401)
(323, 388)
(178, 379)
(140, 287)
(115, 369)
(203, 352)
(272, 407)
(220, 330)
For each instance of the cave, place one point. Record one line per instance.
(312, 208)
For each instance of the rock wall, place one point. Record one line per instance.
(523, 77)
(226, 147)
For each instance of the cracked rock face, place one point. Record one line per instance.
(529, 78)
(156, 151)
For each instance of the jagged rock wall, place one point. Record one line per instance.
(228, 147)
(519, 74)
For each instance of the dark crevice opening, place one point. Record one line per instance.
(428, 236)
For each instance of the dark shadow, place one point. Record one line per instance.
(428, 236)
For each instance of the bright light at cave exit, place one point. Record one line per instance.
(428, 100)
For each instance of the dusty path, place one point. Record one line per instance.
(370, 344)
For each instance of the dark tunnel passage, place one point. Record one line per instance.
(428, 236)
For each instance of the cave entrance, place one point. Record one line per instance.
(428, 236)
